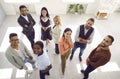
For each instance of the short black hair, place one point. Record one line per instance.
(22, 6)
(12, 35)
(91, 19)
(111, 37)
(40, 43)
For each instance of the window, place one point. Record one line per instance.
(21, 1)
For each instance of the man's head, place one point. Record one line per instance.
(107, 41)
(89, 23)
(14, 39)
(23, 10)
(38, 47)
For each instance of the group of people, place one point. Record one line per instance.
(18, 54)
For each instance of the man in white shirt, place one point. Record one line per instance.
(84, 35)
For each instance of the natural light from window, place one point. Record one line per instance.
(6, 73)
(78, 1)
(109, 67)
(21, 1)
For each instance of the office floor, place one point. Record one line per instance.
(102, 28)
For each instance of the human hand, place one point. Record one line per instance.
(31, 57)
(21, 67)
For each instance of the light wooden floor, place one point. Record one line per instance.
(102, 28)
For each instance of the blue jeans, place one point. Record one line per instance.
(32, 62)
(87, 71)
(82, 47)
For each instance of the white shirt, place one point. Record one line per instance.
(43, 61)
(25, 17)
(86, 30)
(20, 53)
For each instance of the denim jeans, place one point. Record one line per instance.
(82, 47)
(32, 62)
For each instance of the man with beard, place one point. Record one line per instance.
(84, 35)
(27, 22)
(99, 56)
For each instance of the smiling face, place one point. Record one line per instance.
(14, 41)
(89, 24)
(67, 34)
(44, 13)
(37, 49)
(23, 11)
(106, 42)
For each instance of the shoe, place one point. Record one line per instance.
(80, 59)
(82, 71)
(47, 73)
(71, 57)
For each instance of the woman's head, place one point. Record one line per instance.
(57, 20)
(44, 12)
(38, 47)
(67, 33)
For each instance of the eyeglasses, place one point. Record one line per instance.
(14, 39)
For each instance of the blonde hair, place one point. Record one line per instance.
(58, 19)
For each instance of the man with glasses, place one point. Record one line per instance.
(18, 54)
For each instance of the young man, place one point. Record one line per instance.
(18, 54)
(43, 60)
(84, 35)
(99, 56)
(27, 23)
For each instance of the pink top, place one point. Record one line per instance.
(64, 45)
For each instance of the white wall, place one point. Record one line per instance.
(2, 15)
(8, 8)
(53, 6)
(92, 8)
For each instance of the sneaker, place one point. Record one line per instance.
(47, 73)
(71, 57)
(34, 67)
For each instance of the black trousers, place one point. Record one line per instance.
(42, 74)
(87, 71)
(31, 36)
(56, 49)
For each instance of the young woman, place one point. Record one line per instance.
(45, 22)
(43, 60)
(56, 31)
(65, 45)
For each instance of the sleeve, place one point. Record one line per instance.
(32, 23)
(90, 38)
(77, 34)
(57, 34)
(22, 23)
(12, 60)
(62, 50)
(25, 48)
(100, 62)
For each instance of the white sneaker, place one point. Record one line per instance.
(29, 71)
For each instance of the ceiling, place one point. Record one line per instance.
(60, 6)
